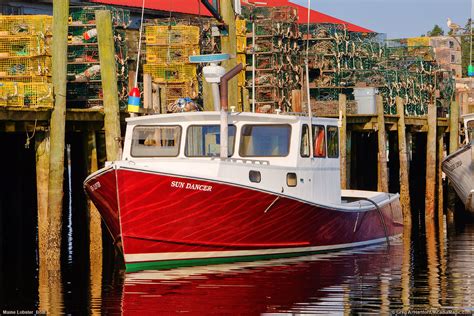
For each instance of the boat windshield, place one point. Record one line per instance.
(265, 140)
(156, 141)
(204, 141)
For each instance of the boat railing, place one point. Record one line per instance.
(242, 160)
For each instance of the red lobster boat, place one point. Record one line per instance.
(173, 201)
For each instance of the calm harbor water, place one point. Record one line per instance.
(429, 272)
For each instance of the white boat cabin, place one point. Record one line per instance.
(268, 152)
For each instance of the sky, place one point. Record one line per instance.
(396, 18)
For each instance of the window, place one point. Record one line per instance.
(255, 176)
(453, 58)
(291, 179)
(156, 141)
(265, 141)
(451, 44)
(205, 140)
(333, 142)
(319, 141)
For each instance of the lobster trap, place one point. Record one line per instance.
(173, 91)
(171, 73)
(172, 35)
(11, 94)
(22, 46)
(86, 15)
(26, 25)
(25, 66)
(38, 95)
(158, 54)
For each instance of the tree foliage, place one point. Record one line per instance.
(436, 31)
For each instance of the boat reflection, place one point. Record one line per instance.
(315, 283)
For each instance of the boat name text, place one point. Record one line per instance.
(191, 186)
(95, 186)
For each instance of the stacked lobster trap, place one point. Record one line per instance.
(340, 61)
(168, 48)
(274, 30)
(25, 61)
(84, 87)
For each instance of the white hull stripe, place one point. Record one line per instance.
(132, 258)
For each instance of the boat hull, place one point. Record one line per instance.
(459, 169)
(166, 220)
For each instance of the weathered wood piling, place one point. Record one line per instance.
(430, 164)
(403, 158)
(105, 37)
(382, 183)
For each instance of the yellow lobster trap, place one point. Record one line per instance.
(172, 35)
(33, 95)
(38, 95)
(25, 25)
(171, 73)
(11, 94)
(25, 66)
(157, 54)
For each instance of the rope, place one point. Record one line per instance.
(379, 211)
(28, 137)
(139, 44)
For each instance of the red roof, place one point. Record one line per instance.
(179, 6)
(315, 16)
(195, 7)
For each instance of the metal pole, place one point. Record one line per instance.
(308, 97)
(253, 66)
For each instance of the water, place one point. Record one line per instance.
(431, 271)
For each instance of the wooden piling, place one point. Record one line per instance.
(229, 46)
(147, 93)
(246, 100)
(343, 139)
(403, 158)
(42, 149)
(156, 98)
(95, 228)
(207, 99)
(382, 183)
(296, 99)
(105, 38)
(439, 172)
(430, 164)
(453, 127)
(57, 144)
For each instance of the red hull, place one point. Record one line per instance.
(164, 214)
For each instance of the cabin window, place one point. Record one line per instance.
(156, 141)
(319, 141)
(255, 176)
(291, 179)
(333, 142)
(205, 140)
(470, 131)
(265, 141)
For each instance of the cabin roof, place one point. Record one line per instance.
(215, 116)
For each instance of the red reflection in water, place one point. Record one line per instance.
(322, 282)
